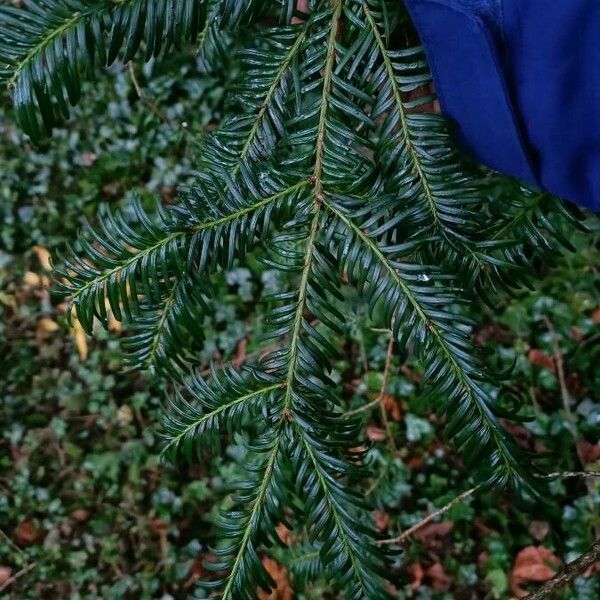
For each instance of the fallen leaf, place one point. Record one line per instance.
(416, 571)
(440, 580)
(382, 520)
(433, 531)
(5, 573)
(27, 534)
(32, 279)
(534, 564)
(80, 515)
(596, 316)
(415, 463)
(284, 534)
(43, 256)
(46, 325)
(80, 338)
(158, 525)
(540, 359)
(592, 570)
(588, 452)
(375, 434)
(392, 407)
(240, 354)
(282, 589)
(124, 415)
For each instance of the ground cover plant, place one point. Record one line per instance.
(356, 240)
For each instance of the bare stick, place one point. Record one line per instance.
(17, 575)
(386, 375)
(560, 371)
(140, 94)
(363, 408)
(438, 513)
(568, 574)
(432, 516)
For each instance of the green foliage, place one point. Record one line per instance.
(329, 170)
(47, 46)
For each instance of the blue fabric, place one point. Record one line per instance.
(521, 78)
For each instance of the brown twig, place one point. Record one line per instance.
(381, 398)
(568, 574)
(17, 575)
(440, 511)
(363, 408)
(560, 372)
(140, 94)
(11, 543)
(430, 517)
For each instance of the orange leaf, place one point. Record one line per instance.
(588, 452)
(416, 571)
(240, 354)
(282, 589)
(382, 520)
(375, 434)
(440, 580)
(392, 407)
(43, 257)
(534, 564)
(27, 534)
(539, 359)
(433, 531)
(5, 573)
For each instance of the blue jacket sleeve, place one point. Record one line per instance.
(522, 81)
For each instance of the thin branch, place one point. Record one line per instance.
(568, 574)
(143, 98)
(17, 575)
(432, 516)
(363, 408)
(441, 511)
(381, 398)
(11, 543)
(560, 371)
(570, 475)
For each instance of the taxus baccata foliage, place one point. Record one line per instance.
(332, 165)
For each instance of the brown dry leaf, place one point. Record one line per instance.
(80, 515)
(282, 589)
(392, 407)
(382, 520)
(80, 340)
(534, 564)
(440, 580)
(158, 526)
(433, 531)
(5, 573)
(43, 256)
(32, 279)
(44, 327)
(596, 316)
(47, 325)
(113, 325)
(284, 534)
(375, 434)
(592, 570)
(240, 354)
(588, 452)
(540, 359)
(27, 534)
(416, 571)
